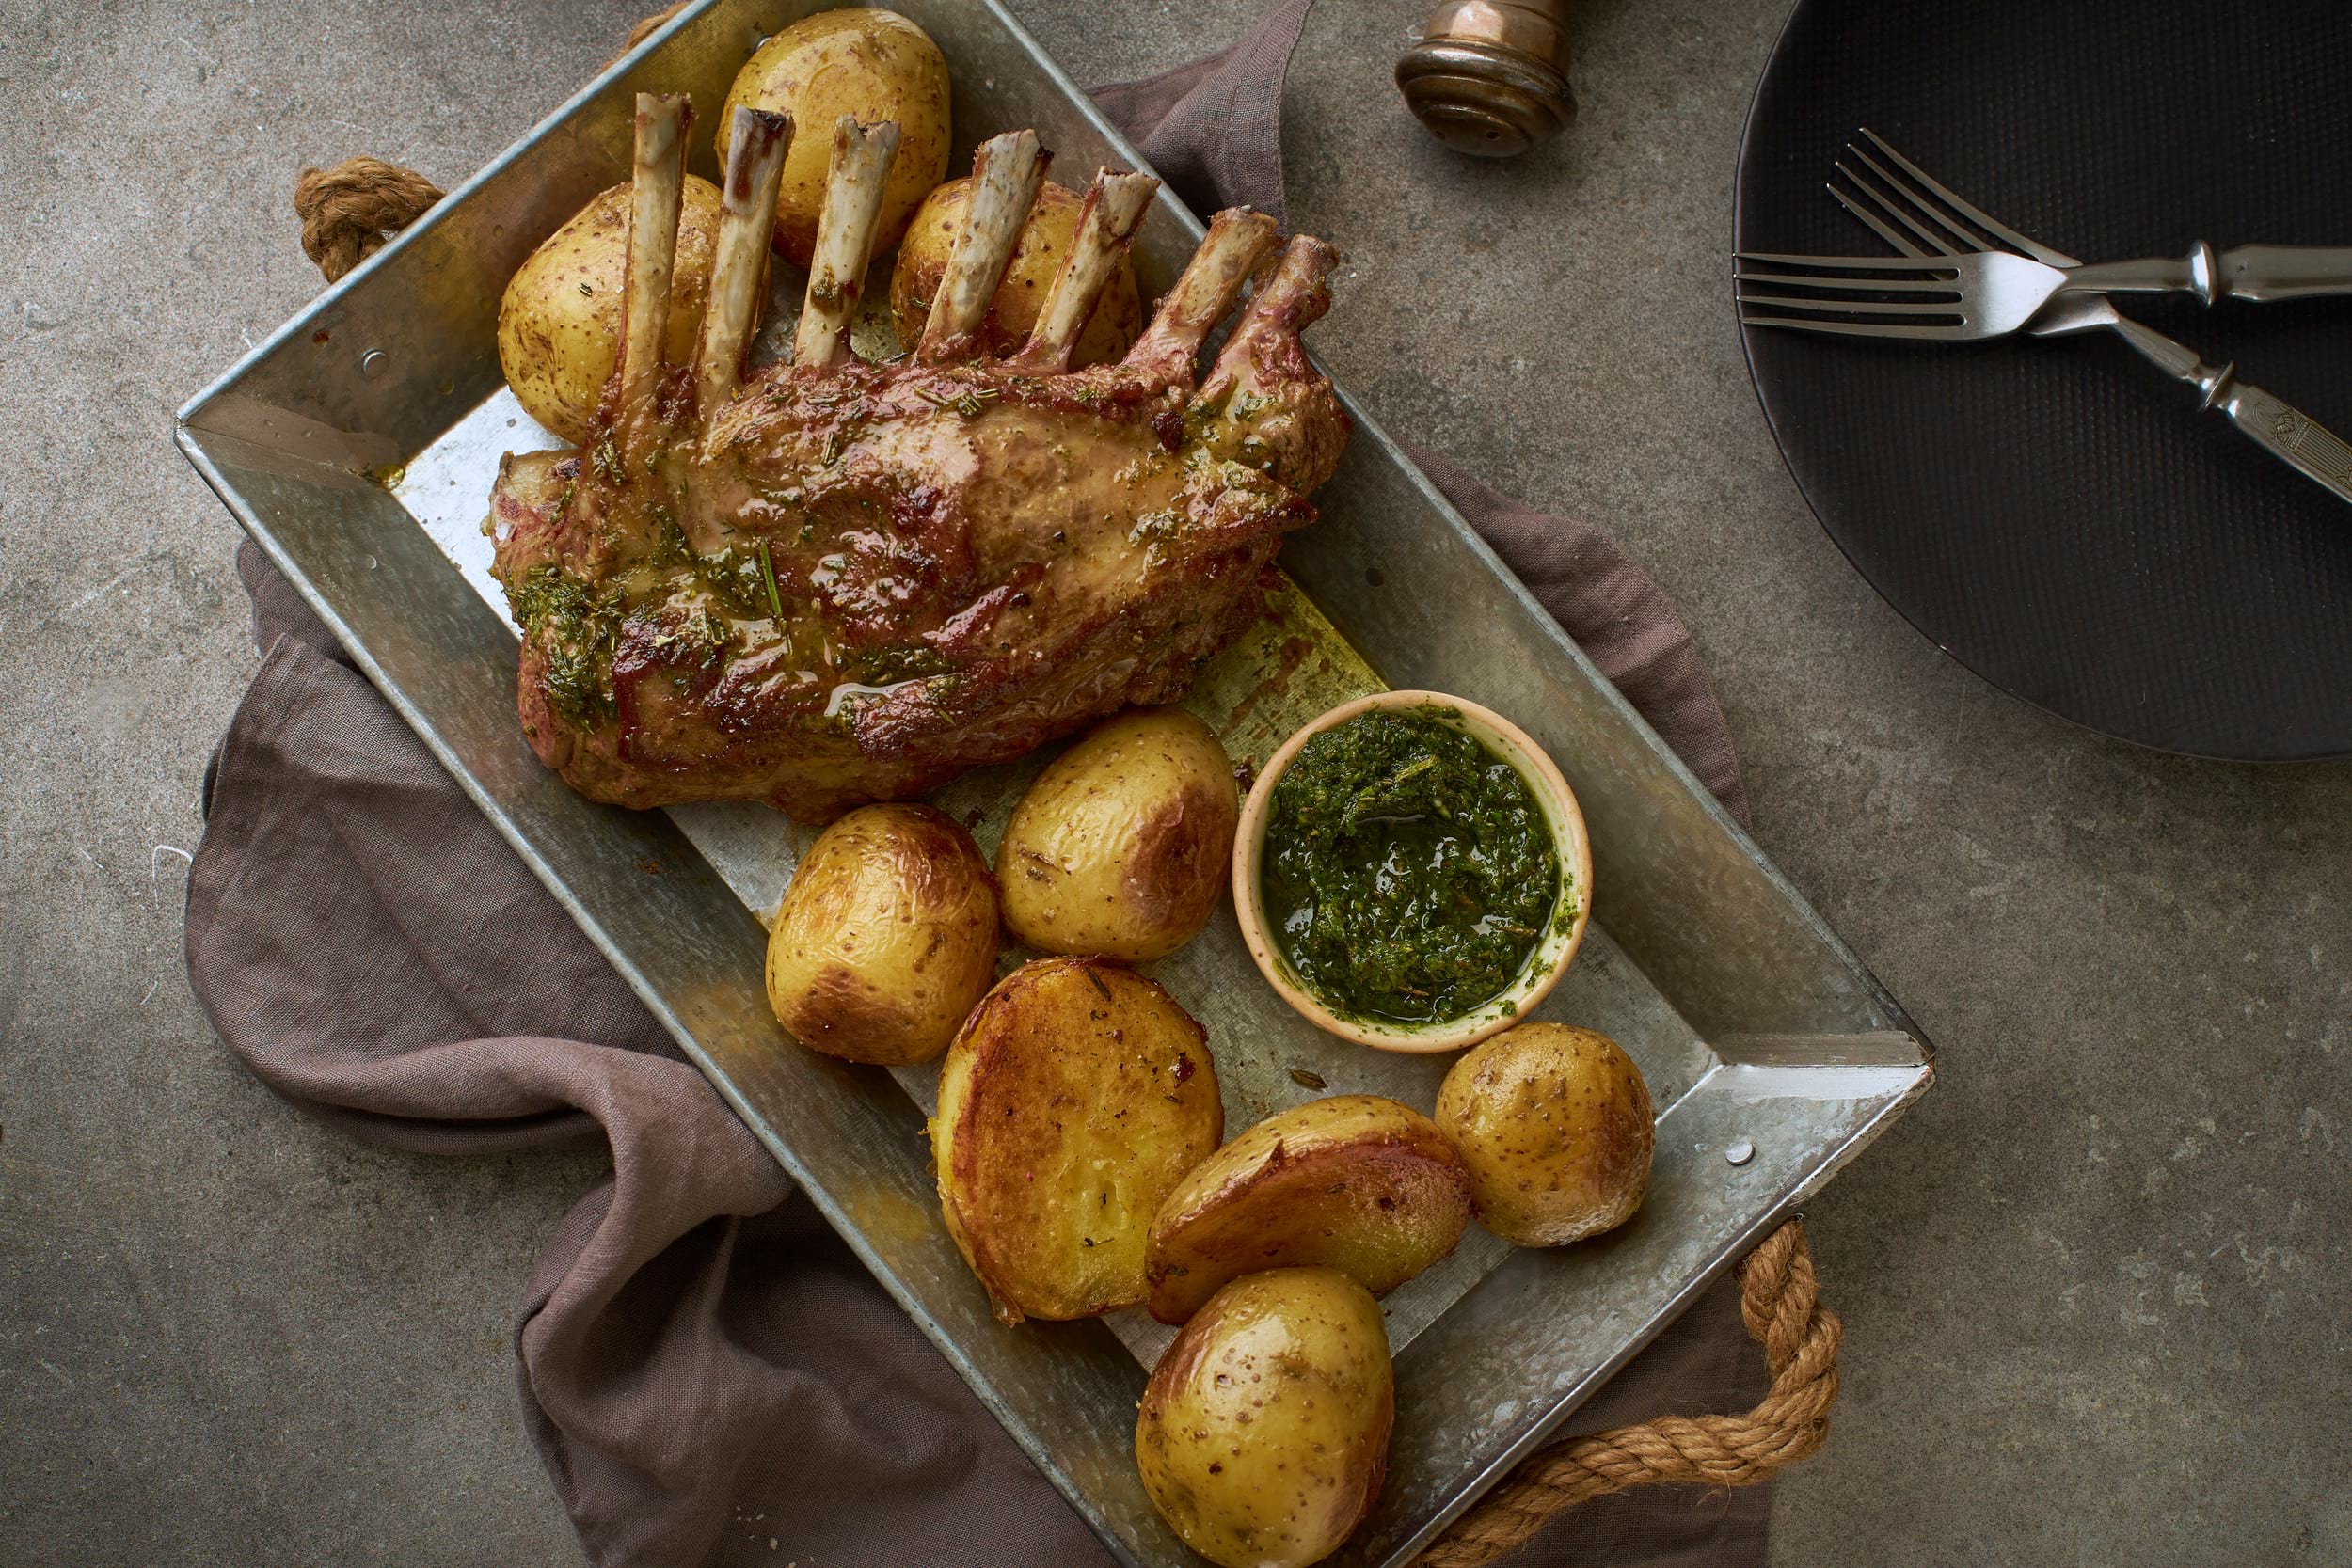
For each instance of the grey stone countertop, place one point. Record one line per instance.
(2093, 1286)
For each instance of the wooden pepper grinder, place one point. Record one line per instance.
(1490, 77)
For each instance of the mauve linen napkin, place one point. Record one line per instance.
(704, 1366)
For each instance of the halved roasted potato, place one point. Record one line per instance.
(1071, 1104)
(1361, 1183)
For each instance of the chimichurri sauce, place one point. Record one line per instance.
(1408, 871)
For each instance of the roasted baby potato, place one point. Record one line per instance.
(1364, 1184)
(1073, 1101)
(886, 937)
(560, 321)
(872, 65)
(1118, 318)
(1263, 1434)
(1554, 1124)
(1124, 845)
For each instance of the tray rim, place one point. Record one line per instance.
(1470, 1483)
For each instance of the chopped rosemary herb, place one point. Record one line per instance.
(577, 630)
(768, 575)
(969, 403)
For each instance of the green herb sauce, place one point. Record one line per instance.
(1408, 871)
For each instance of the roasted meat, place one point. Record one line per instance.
(832, 581)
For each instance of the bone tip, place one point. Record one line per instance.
(1246, 224)
(1127, 197)
(850, 130)
(653, 107)
(1020, 146)
(758, 126)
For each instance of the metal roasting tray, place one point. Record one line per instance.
(358, 446)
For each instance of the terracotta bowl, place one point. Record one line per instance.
(1544, 966)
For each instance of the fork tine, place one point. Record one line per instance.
(1902, 213)
(1945, 286)
(1946, 309)
(1959, 203)
(1853, 330)
(1878, 226)
(1969, 238)
(1851, 263)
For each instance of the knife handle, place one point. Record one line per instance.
(2285, 431)
(2263, 272)
(2289, 433)
(2253, 272)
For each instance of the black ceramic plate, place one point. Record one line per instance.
(2054, 513)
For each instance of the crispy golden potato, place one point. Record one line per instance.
(872, 65)
(1074, 1099)
(560, 321)
(886, 937)
(1263, 1434)
(1364, 1184)
(1555, 1125)
(1124, 844)
(1053, 223)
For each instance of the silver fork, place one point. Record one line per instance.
(1948, 226)
(1981, 292)
(1955, 295)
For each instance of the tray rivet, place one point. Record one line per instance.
(1741, 1152)
(374, 363)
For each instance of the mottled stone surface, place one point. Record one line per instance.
(2093, 1286)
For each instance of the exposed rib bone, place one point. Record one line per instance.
(1006, 173)
(844, 238)
(1237, 240)
(738, 272)
(1263, 345)
(657, 186)
(1113, 211)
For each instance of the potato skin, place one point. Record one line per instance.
(886, 937)
(560, 320)
(1263, 1434)
(873, 65)
(1053, 223)
(1124, 844)
(1354, 1181)
(1075, 1096)
(1555, 1125)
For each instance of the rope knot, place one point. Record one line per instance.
(349, 211)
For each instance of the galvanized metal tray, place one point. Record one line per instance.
(357, 445)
